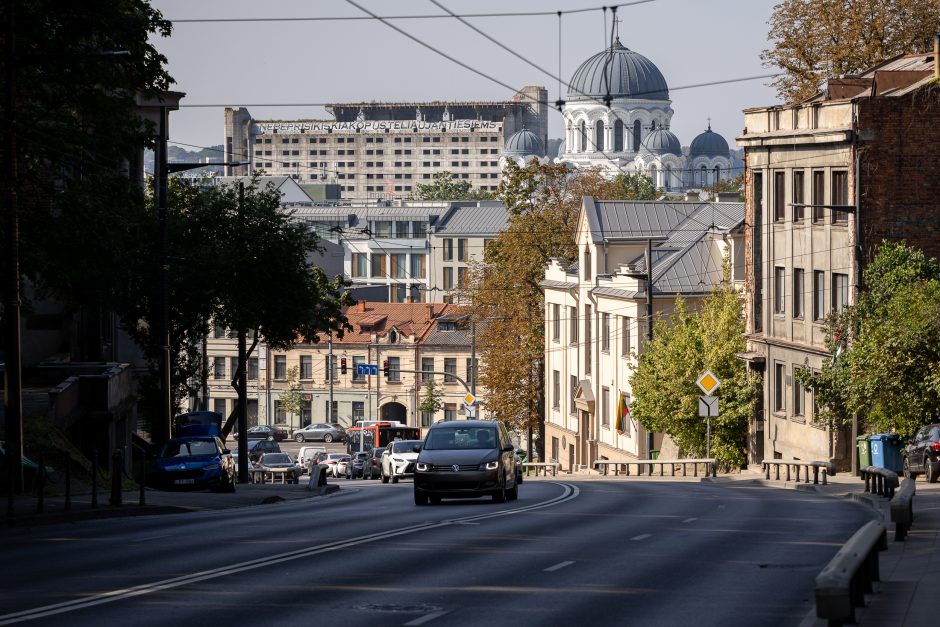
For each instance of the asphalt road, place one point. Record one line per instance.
(565, 553)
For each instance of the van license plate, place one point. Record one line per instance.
(184, 481)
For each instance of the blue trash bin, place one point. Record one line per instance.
(886, 451)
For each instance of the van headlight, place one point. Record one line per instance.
(422, 467)
(493, 465)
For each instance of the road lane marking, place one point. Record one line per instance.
(688, 520)
(569, 492)
(425, 619)
(558, 566)
(642, 536)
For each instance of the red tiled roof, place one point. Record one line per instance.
(380, 318)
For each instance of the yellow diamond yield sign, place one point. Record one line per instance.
(708, 382)
(469, 399)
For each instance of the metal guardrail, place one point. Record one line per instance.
(842, 584)
(543, 466)
(261, 475)
(711, 467)
(828, 469)
(880, 481)
(902, 509)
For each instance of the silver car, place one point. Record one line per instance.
(320, 431)
(281, 462)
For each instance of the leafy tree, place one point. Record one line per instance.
(431, 401)
(447, 187)
(728, 185)
(665, 396)
(293, 401)
(544, 201)
(886, 348)
(635, 186)
(817, 39)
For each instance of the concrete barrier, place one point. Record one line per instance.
(880, 481)
(828, 469)
(842, 584)
(902, 509)
(543, 466)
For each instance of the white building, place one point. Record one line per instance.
(596, 313)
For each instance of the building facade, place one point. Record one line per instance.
(596, 313)
(384, 150)
(827, 181)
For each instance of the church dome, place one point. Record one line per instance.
(661, 142)
(709, 144)
(629, 74)
(524, 143)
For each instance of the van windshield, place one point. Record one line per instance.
(461, 438)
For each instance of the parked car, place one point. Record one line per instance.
(372, 465)
(398, 460)
(320, 431)
(335, 464)
(922, 454)
(193, 463)
(257, 448)
(272, 461)
(267, 432)
(469, 458)
(354, 465)
(307, 454)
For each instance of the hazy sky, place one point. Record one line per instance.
(308, 62)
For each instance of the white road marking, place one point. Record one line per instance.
(569, 492)
(688, 520)
(558, 566)
(642, 536)
(425, 619)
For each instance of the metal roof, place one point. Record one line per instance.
(483, 219)
(619, 72)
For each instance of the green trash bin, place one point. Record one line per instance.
(864, 451)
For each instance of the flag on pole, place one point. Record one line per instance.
(623, 414)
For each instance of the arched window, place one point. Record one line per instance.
(636, 135)
(653, 125)
(653, 175)
(668, 183)
(717, 174)
(618, 136)
(582, 142)
(704, 172)
(599, 136)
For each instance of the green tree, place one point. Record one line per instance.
(685, 344)
(446, 186)
(431, 401)
(885, 362)
(818, 39)
(635, 186)
(293, 400)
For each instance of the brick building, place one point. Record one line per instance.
(827, 180)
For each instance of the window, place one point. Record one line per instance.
(779, 293)
(280, 367)
(426, 418)
(819, 295)
(360, 263)
(448, 278)
(587, 339)
(618, 136)
(252, 368)
(572, 325)
(780, 213)
(573, 382)
(625, 330)
(280, 415)
(798, 288)
(394, 369)
(582, 133)
(427, 368)
(599, 135)
(382, 228)
(605, 332)
(840, 196)
(329, 367)
(358, 411)
(799, 395)
(780, 387)
(378, 265)
(605, 407)
(461, 250)
(358, 360)
(798, 198)
(556, 321)
(418, 266)
(840, 291)
(450, 369)
(218, 332)
(587, 264)
(636, 135)
(402, 229)
(448, 250)
(399, 265)
(461, 277)
(450, 409)
(218, 405)
(419, 229)
(218, 368)
(333, 415)
(306, 367)
(819, 195)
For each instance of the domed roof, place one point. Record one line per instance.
(709, 144)
(524, 143)
(630, 74)
(661, 142)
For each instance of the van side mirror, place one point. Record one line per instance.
(417, 448)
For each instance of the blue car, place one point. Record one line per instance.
(193, 463)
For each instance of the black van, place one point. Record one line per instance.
(466, 459)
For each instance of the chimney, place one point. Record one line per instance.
(361, 306)
(430, 312)
(936, 57)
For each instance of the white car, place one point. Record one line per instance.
(334, 464)
(398, 460)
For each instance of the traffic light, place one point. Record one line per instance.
(342, 365)
(385, 368)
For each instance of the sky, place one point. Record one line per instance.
(261, 64)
